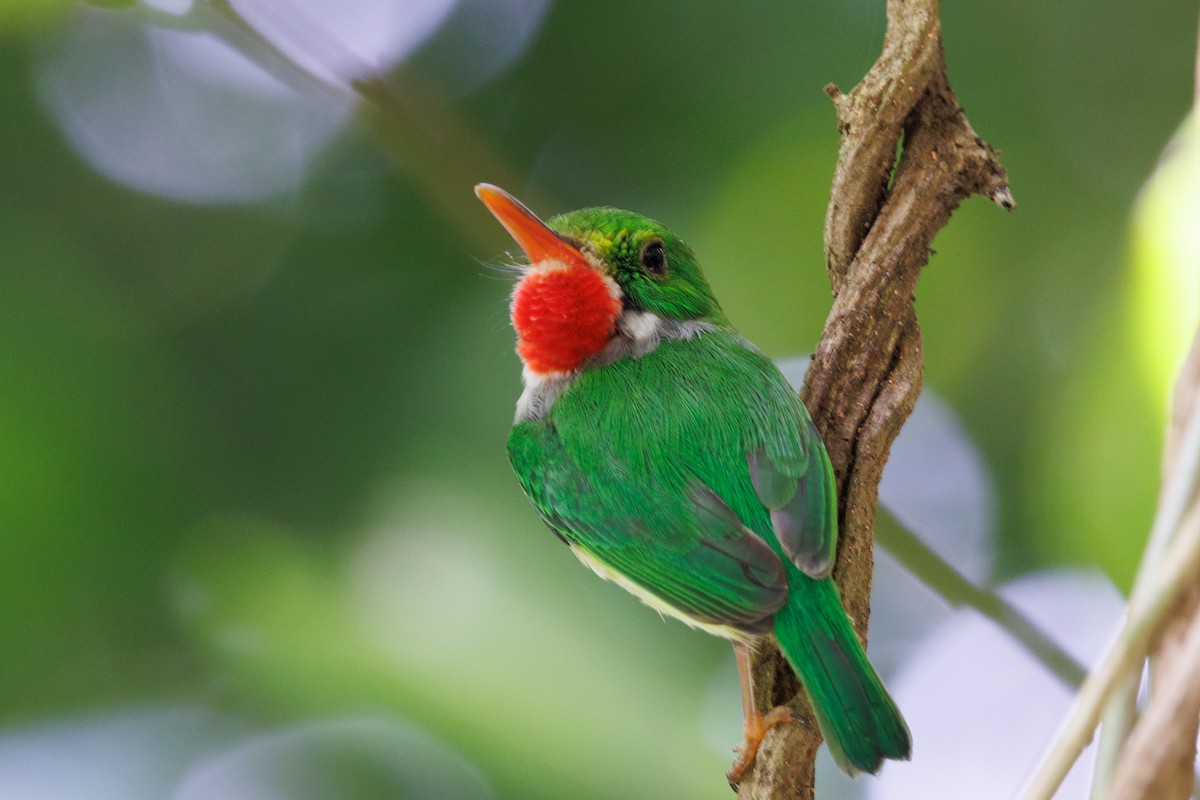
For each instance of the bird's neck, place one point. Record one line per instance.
(563, 315)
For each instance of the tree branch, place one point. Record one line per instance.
(866, 373)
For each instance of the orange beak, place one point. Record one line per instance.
(538, 241)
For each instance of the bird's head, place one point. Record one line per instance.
(595, 275)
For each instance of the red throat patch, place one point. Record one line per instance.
(563, 317)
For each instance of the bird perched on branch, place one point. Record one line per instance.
(674, 459)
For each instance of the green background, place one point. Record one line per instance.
(252, 455)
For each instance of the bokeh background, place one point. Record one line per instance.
(258, 535)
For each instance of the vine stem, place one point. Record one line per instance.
(1121, 707)
(1149, 607)
(939, 575)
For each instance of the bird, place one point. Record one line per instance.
(674, 459)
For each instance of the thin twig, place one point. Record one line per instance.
(239, 33)
(1176, 499)
(1158, 760)
(936, 573)
(1115, 725)
(1180, 563)
(1121, 711)
(1152, 745)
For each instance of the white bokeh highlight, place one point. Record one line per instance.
(981, 708)
(938, 486)
(180, 114)
(130, 754)
(190, 107)
(338, 42)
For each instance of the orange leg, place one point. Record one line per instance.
(755, 724)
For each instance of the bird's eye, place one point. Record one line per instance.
(654, 259)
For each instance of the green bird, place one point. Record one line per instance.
(675, 460)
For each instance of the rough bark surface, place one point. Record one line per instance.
(866, 373)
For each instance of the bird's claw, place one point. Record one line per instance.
(756, 730)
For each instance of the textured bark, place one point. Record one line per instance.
(866, 373)
(1158, 760)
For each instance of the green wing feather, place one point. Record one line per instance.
(687, 548)
(800, 494)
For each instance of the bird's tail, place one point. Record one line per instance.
(857, 716)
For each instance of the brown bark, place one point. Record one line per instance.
(866, 373)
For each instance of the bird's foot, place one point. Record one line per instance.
(756, 729)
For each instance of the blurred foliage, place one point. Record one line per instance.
(253, 453)
(21, 14)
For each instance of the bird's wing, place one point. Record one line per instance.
(796, 484)
(686, 548)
